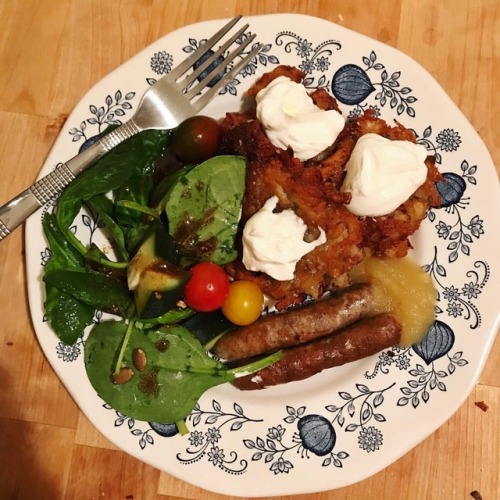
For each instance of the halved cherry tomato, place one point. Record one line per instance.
(207, 288)
(197, 139)
(244, 303)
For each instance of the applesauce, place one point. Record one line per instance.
(402, 288)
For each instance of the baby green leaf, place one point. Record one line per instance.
(177, 370)
(94, 289)
(67, 316)
(204, 207)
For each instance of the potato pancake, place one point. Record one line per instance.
(312, 190)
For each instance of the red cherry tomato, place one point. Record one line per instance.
(197, 139)
(207, 288)
(244, 303)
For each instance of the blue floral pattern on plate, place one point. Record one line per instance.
(357, 417)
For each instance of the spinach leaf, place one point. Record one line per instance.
(126, 170)
(93, 289)
(177, 370)
(62, 253)
(98, 261)
(172, 316)
(139, 186)
(162, 191)
(204, 206)
(107, 174)
(66, 315)
(104, 208)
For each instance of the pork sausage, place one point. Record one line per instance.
(359, 340)
(296, 326)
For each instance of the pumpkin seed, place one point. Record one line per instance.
(123, 376)
(139, 359)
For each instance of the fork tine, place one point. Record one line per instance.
(181, 68)
(204, 99)
(195, 74)
(220, 67)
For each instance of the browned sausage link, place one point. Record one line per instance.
(286, 329)
(357, 341)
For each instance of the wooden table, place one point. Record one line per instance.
(51, 53)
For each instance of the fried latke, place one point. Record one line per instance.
(312, 190)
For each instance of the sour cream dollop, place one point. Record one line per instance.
(382, 174)
(291, 119)
(273, 243)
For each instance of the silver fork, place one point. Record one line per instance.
(164, 105)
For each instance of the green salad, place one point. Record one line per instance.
(161, 215)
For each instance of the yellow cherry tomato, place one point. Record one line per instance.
(244, 303)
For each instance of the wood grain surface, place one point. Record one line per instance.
(51, 53)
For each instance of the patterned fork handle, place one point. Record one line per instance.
(17, 210)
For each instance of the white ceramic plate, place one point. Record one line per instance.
(347, 423)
